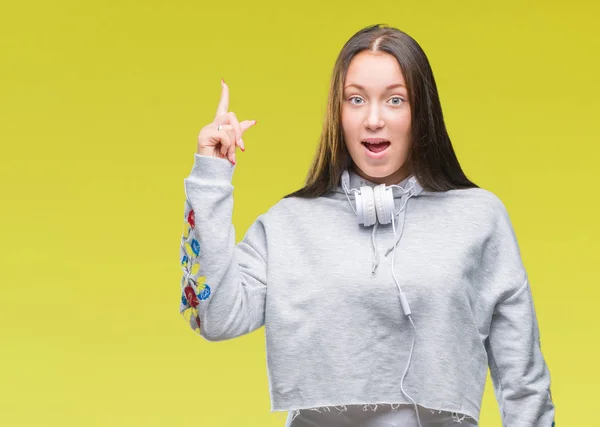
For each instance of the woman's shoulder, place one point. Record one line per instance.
(470, 197)
(475, 205)
(289, 207)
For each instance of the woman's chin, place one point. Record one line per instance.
(385, 172)
(376, 171)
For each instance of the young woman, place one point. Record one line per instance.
(387, 284)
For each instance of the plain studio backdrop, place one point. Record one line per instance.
(101, 104)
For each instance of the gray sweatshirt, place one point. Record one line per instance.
(336, 334)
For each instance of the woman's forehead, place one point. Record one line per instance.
(369, 70)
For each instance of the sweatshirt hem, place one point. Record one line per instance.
(458, 415)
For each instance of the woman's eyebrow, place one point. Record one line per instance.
(362, 87)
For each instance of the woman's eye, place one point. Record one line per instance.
(351, 98)
(400, 100)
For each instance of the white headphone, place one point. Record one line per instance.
(376, 204)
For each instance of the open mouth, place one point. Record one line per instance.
(376, 147)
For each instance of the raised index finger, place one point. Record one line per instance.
(224, 102)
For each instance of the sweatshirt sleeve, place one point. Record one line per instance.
(519, 373)
(223, 285)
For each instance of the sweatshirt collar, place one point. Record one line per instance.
(357, 181)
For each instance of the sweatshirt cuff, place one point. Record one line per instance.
(213, 168)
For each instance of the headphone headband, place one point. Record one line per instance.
(376, 204)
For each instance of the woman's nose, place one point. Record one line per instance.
(373, 119)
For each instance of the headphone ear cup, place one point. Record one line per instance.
(368, 203)
(360, 215)
(382, 215)
(387, 200)
(384, 202)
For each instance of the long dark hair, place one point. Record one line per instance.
(431, 157)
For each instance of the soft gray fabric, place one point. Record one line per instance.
(336, 333)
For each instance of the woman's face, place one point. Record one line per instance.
(378, 109)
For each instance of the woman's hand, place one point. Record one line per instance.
(222, 143)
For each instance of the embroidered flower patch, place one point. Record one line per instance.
(193, 287)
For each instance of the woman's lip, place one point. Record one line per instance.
(375, 140)
(374, 155)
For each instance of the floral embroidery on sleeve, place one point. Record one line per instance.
(193, 287)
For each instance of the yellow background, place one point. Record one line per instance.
(100, 107)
